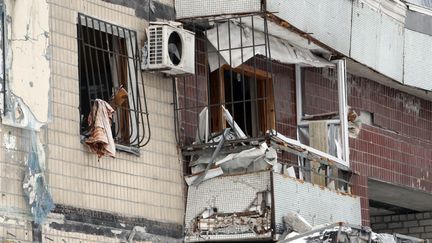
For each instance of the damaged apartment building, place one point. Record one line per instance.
(199, 120)
(307, 121)
(88, 150)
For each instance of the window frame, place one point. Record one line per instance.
(136, 105)
(217, 89)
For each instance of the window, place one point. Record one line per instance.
(109, 62)
(247, 94)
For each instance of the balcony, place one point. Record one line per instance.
(388, 37)
(252, 206)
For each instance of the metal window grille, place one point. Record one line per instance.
(108, 60)
(193, 94)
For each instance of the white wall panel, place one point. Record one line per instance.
(377, 40)
(316, 204)
(329, 21)
(228, 194)
(195, 8)
(418, 61)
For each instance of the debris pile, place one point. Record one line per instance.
(341, 232)
(229, 154)
(255, 220)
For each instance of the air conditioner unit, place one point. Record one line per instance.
(169, 49)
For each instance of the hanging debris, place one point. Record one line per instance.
(256, 220)
(34, 184)
(100, 139)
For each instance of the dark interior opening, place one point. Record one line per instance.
(236, 96)
(95, 71)
(175, 48)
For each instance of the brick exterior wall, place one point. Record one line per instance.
(148, 187)
(391, 149)
(396, 147)
(192, 91)
(417, 225)
(192, 95)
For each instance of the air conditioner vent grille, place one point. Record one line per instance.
(169, 49)
(156, 45)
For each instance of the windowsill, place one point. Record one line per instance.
(128, 149)
(122, 148)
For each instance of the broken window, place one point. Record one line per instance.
(322, 120)
(247, 94)
(109, 70)
(232, 86)
(237, 113)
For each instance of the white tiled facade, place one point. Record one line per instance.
(148, 186)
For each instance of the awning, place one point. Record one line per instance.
(230, 37)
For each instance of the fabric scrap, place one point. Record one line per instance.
(101, 141)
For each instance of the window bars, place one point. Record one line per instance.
(109, 61)
(233, 79)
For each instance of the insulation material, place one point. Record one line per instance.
(227, 36)
(238, 162)
(313, 203)
(354, 124)
(250, 160)
(229, 195)
(277, 30)
(34, 184)
(318, 131)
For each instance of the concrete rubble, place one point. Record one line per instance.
(342, 232)
(214, 160)
(218, 221)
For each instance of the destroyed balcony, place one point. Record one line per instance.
(252, 154)
(252, 194)
(249, 85)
